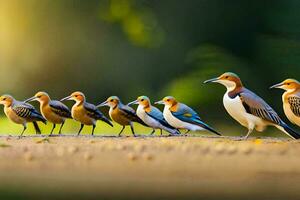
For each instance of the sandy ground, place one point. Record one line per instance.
(149, 167)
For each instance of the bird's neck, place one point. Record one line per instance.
(79, 103)
(45, 102)
(174, 107)
(233, 92)
(147, 108)
(289, 92)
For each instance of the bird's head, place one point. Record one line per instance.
(6, 100)
(287, 85)
(40, 97)
(229, 80)
(112, 102)
(141, 100)
(75, 96)
(167, 101)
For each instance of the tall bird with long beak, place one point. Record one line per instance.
(85, 113)
(53, 111)
(247, 108)
(181, 116)
(21, 113)
(152, 116)
(122, 114)
(291, 99)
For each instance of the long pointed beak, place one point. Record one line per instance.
(30, 99)
(213, 80)
(276, 85)
(133, 102)
(66, 98)
(102, 104)
(160, 102)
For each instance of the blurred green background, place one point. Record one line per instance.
(148, 47)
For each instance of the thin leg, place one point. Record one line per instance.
(81, 127)
(187, 132)
(54, 125)
(24, 129)
(94, 126)
(61, 127)
(161, 132)
(121, 131)
(132, 130)
(249, 132)
(153, 131)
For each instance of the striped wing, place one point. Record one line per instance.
(294, 102)
(60, 109)
(27, 112)
(129, 113)
(258, 107)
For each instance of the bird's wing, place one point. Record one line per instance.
(258, 107)
(156, 114)
(93, 112)
(186, 114)
(27, 111)
(294, 102)
(60, 109)
(130, 113)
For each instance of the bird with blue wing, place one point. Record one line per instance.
(53, 111)
(181, 116)
(21, 113)
(152, 116)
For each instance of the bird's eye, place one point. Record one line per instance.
(227, 77)
(76, 96)
(39, 96)
(288, 84)
(4, 99)
(168, 99)
(111, 100)
(142, 99)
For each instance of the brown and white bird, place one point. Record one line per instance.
(291, 99)
(122, 114)
(85, 113)
(247, 108)
(21, 113)
(53, 111)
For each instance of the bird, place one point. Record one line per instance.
(84, 112)
(290, 99)
(152, 116)
(250, 110)
(122, 114)
(21, 113)
(182, 116)
(53, 111)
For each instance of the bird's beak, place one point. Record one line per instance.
(30, 99)
(279, 85)
(213, 80)
(102, 104)
(160, 102)
(133, 102)
(66, 98)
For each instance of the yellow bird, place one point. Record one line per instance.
(85, 113)
(54, 111)
(21, 113)
(122, 114)
(291, 99)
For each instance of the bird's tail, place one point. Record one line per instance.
(207, 127)
(106, 120)
(288, 130)
(37, 128)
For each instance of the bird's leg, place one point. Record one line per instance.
(61, 127)
(161, 132)
(153, 131)
(249, 132)
(132, 130)
(54, 125)
(81, 127)
(185, 134)
(94, 126)
(24, 129)
(121, 131)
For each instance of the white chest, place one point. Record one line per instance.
(146, 118)
(236, 109)
(290, 115)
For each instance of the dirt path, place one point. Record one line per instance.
(149, 167)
